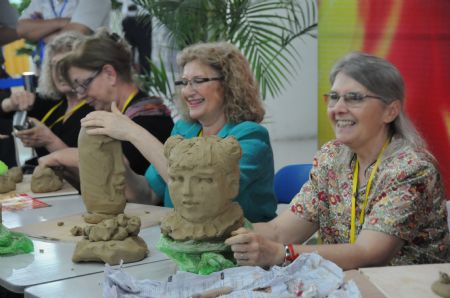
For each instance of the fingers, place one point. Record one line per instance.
(22, 100)
(115, 109)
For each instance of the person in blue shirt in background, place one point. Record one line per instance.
(218, 96)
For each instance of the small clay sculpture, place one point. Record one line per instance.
(16, 174)
(203, 181)
(113, 237)
(112, 240)
(44, 179)
(102, 176)
(6, 184)
(442, 286)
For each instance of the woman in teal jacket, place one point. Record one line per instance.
(218, 96)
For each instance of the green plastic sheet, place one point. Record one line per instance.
(12, 243)
(197, 256)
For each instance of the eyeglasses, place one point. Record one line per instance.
(195, 82)
(82, 87)
(351, 99)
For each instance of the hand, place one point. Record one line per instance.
(19, 101)
(39, 135)
(250, 248)
(67, 157)
(113, 124)
(2, 137)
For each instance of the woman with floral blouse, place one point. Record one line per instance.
(374, 193)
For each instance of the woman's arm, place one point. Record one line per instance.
(137, 189)
(40, 136)
(265, 245)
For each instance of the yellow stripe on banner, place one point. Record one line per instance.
(447, 121)
(15, 64)
(384, 42)
(341, 31)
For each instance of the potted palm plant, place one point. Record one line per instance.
(264, 30)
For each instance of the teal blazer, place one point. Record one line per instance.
(256, 195)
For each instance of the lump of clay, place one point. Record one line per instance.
(442, 286)
(111, 241)
(102, 176)
(117, 228)
(6, 184)
(132, 249)
(203, 181)
(44, 179)
(15, 174)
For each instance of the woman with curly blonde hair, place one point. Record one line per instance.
(217, 96)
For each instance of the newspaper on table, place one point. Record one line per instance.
(310, 275)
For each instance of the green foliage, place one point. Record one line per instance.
(265, 31)
(21, 7)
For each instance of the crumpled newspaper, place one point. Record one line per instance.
(310, 275)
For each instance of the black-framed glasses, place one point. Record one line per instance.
(82, 87)
(350, 98)
(195, 82)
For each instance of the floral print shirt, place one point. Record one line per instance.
(406, 200)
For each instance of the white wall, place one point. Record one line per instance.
(291, 118)
(293, 115)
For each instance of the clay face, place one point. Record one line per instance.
(102, 174)
(199, 193)
(203, 181)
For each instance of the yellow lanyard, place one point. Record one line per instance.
(354, 189)
(200, 134)
(66, 115)
(127, 102)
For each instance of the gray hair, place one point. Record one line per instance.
(382, 78)
(63, 43)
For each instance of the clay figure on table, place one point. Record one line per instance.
(44, 179)
(203, 181)
(102, 180)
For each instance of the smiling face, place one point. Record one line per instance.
(205, 101)
(364, 126)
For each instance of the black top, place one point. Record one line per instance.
(67, 131)
(159, 126)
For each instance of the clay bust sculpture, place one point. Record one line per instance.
(203, 181)
(44, 179)
(102, 177)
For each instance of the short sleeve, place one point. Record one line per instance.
(406, 200)
(92, 14)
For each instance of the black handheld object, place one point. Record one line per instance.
(20, 118)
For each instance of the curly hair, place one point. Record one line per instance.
(63, 43)
(242, 101)
(97, 51)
